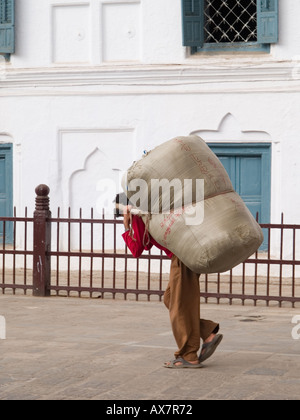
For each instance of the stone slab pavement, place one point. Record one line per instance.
(63, 348)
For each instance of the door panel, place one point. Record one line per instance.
(248, 182)
(249, 174)
(6, 196)
(229, 165)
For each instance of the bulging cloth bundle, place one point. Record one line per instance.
(187, 201)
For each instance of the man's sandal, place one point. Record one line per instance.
(183, 364)
(208, 349)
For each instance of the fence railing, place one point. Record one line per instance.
(87, 257)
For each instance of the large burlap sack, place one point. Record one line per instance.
(225, 236)
(181, 158)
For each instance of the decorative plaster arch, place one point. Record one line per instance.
(84, 184)
(113, 149)
(229, 130)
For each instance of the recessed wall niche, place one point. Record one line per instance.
(71, 41)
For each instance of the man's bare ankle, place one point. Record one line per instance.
(210, 338)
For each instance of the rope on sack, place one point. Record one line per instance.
(146, 233)
(131, 233)
(146, 236)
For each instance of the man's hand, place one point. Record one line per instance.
(126, 219)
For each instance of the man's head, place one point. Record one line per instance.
(121, 201)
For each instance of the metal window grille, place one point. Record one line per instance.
(230, 21)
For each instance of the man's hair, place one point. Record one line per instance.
(121, 201)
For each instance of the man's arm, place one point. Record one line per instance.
(135, 242)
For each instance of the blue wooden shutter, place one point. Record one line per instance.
(7, 26)
(267, 21)
(193, 22)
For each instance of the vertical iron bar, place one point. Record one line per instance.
(160, 274)
(206, 287)
(149, 275)
(57, 249)
(103, 250)
(293, 270)
(137, 279)
(92, 250)
(14, 248)
(114, 259)
(218, 287)
(25, 248)
(69, 251)
(3, 259)
(255, 266)
(126, 273)
(125, 270)
(243, 283)
(255, 277)
(268, 266)
(230, 286)
(281, 257)
(80, 250)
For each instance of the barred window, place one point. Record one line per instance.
(230, 21)
(207, 23)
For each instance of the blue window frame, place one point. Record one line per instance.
(249, 168)
(6, 191)
(216, 25)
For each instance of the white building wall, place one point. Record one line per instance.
(94, 83)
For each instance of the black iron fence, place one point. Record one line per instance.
(86, 257)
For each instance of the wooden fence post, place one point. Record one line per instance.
(41, 242)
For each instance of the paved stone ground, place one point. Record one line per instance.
(61, 348)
